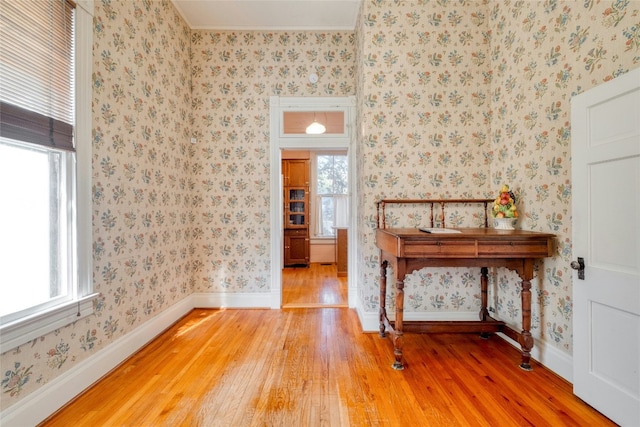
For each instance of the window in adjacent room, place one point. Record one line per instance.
(45, 277)
(331, 191)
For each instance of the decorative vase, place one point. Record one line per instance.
(504, 223)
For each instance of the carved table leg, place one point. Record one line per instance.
(526, 340)
(398, 335)
(484, 285)
(383, 296)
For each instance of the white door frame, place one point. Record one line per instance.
(277, 142)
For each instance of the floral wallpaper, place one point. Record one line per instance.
(143, 203)
(234, 74)
(454, 98)
(423, 99)
(172, 218)
(542, 54)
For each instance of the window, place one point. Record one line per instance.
(296, 122)
(45, 165)
(332, 187)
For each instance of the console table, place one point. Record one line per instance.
(408, 249)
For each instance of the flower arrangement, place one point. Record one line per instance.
(505, 204)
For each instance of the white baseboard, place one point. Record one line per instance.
(232, 300)
(552, 358)
(52, 396)
(370, 321)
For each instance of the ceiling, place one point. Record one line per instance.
(270, 15)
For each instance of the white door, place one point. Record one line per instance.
(605, 149)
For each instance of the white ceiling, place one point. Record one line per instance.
(272, 15)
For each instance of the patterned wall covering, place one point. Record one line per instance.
(454, 98)
(234, 75)
(424, 101)
(542, 54)
(143, 211)
(457, 97)
(172, 218)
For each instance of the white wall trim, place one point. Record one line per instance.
(26, 329)
(232, 300)
(370, 320)
(553, 359)
(52, 396)
(277, 105)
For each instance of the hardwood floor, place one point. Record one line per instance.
(315, 286)
(315, 367)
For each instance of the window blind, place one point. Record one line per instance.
(36, 72)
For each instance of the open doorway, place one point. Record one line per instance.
(341, 140)
(316, 222)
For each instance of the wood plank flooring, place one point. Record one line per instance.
(315, 286)
(315, 367)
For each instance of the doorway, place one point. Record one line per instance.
(315, 265)
(280, 141)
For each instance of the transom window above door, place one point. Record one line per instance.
(298, 122)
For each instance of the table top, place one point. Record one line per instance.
(465, 243)
(464, 233)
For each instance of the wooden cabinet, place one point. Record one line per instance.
(296, 211)
(296, 172)
(296, 207)
(296, 247)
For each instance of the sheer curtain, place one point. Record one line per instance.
(342, 210)
(325, 226)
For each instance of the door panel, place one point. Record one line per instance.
(607, 323)
(614, 214)
(605, 152)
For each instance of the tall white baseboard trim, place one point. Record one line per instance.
(370, 321)
(232, 300)
(555, 360)
(52, 396)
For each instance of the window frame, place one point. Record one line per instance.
(30, 327)
(314, 189)
(62, 245)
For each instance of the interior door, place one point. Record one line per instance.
(605, 151)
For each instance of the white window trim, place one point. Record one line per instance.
(314, 193)
(23, 330)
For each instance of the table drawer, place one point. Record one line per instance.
(441, 249)
(515, 249)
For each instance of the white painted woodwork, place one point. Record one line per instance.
(606, 233)
(280, 141)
